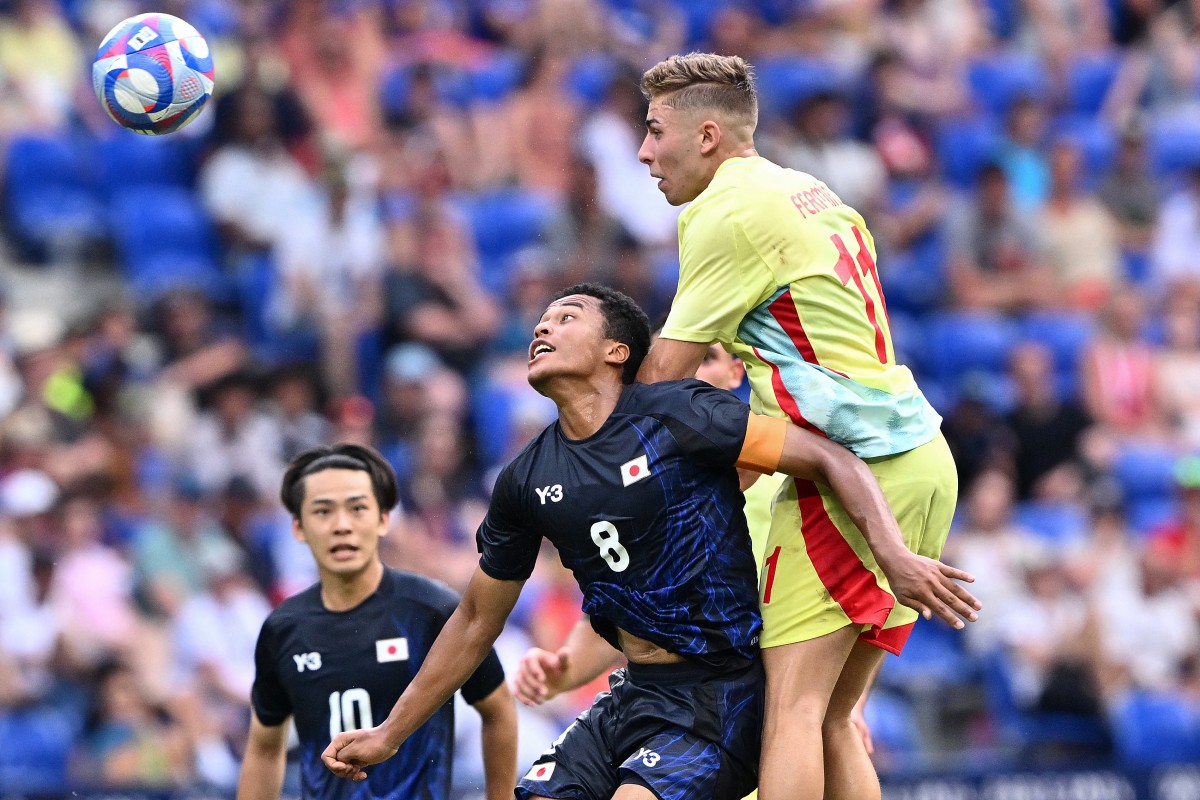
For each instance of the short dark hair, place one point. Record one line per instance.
(343, 455)
(624, 322)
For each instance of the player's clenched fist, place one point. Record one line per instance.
(349, 752)
(540, 675)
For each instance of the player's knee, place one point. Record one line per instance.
(797, 712)
(836, 725)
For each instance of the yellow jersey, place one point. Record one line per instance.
(775, 267)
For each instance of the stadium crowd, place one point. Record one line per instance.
(355, 242)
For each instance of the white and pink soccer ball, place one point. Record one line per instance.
(153, 73)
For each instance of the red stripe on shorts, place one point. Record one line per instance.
(889, 639)
(848, 581)
(785, 399)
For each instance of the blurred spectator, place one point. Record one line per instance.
(26, 497)
(991, 547)
(432, 293)
(542, 120)
(817, 141)
(169, 552)
(1050, 638)
(39, 66)
(1081, 238)
(1175, 260)
(1024, 155)
(927, 45)
(996, 251)
(252, 186)
(581, 238)
(336, 61)
(534, 282)
(214, 634)
(292, 409)
(129, 741)
(330, 269)
(1150, 627)
(913, 204)
(197, 347)
(610, 139)
(974, 430)
(30, 641)
(92, 590)
(1046, 429)
(1130, 193)
(1179, 540)
(235, 439)
(1118, 372)
(1177, 368)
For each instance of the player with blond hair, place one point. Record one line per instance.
(775, 267)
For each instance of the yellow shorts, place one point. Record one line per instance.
(818, 574)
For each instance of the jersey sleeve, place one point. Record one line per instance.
(270, 700)
(508, 548)
(484, 680)
(709, 423)
(718, 284)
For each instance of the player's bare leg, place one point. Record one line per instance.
(849, 773)
(800, 681)
(631, 791)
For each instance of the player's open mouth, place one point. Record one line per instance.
(538, 349)
(342, 552)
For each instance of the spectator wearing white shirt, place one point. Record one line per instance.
(1175, 255)
(235, 438)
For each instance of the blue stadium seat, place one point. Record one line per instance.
(494, 80)
(957, 342)
(1089, 77)
(783, 83)
(997, 80)
(1153, 728)
(503, 222)
(1096, 142)
(50, 196)
(1145, 514)
(1174, 143)
(894, 727)
(1003, 18)
(394, 90)
(934, 659)
(491, 408)
(1057, 523)
(590, 77)
(1146, 472)
(165, 241)
(40, 764)
(1065, 334)
(1030, 731)
(129, 161)
(966, 144)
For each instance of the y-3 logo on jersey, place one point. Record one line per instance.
(648, 757)
(307, 661)
(554, 493)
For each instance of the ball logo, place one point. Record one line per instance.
(142, 38)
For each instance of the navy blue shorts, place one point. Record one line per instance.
(682, 730)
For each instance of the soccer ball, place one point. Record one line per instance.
(153, 73)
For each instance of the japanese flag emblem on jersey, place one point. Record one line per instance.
(633, 471)
(540, 772)
(391, 649)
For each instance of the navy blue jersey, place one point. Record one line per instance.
(648, 516)
(342, 670)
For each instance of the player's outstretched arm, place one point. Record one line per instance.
(261, 777)
(583, 657)
(459, 649)
(924, 584)
(499, 738)
(672, 360)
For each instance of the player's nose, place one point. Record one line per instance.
(644, 154)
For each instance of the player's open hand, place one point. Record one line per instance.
(931, 587)
(349, 752)
(539, 675)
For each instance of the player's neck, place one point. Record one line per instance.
(584, 407)
(344, 592)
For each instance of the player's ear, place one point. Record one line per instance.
(736, 373)
(710, 137)
(385, 520)
(297, 531)
(617, 353)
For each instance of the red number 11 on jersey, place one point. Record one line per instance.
(849, 270)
